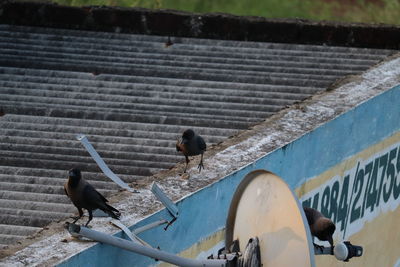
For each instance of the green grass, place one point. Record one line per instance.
(388, 11)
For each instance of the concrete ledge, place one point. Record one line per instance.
(214, 26)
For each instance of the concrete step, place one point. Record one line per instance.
(9, 239)
(34, 206)
(116, 125)
(12, 192)
(214, 95)
(87, 40)
(57, 173)
(29, 188)
(134, 83)
(26, 220)
(73, 159)
(283, 69)
(33, 109)
(71, 146)
(44, 182)
(59, 33)
(63, 165)
(276, 63)
(82, 153)
(95, 138)
(174, 73)
(17, 230)
(141, 98)
(51, 191)
(174, 108)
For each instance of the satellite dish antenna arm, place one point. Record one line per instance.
(81, 231)
(167, 202)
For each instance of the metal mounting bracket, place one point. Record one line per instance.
(103, 166)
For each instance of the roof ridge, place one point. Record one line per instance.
(211, 25)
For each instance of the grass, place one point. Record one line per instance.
(388, 13)
(378, 11)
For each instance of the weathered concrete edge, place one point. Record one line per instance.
(213, 25)
(229, 157)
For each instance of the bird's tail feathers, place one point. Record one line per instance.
(113, 212)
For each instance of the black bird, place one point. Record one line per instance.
(320, 226)
(84, 196)
(168, 43)
(191, 144)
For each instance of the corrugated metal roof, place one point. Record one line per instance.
(133, 97)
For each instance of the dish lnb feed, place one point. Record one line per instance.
(345, 251)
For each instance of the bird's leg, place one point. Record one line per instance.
(321, 248)
(78, 217)
(90, 217)
(187, 162)
(330, 240)
(75, 218)
(201, 166)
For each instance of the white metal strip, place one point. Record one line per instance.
(149, 226)
(103, 166)
(171, 207)
(131, 235)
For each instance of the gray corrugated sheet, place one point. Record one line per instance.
(132, 97)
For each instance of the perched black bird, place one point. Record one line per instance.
(84, 196)
(320, 226)
(191, 144)
(168, 43)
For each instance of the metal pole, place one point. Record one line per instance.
(77, 230)
(321, 250)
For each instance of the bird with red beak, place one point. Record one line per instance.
(191, 144)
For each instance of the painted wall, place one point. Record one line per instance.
(348, 167)
(362, 196)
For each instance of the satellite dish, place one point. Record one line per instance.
(263, 206)
(265, 223)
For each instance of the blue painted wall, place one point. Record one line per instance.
(204, 213)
